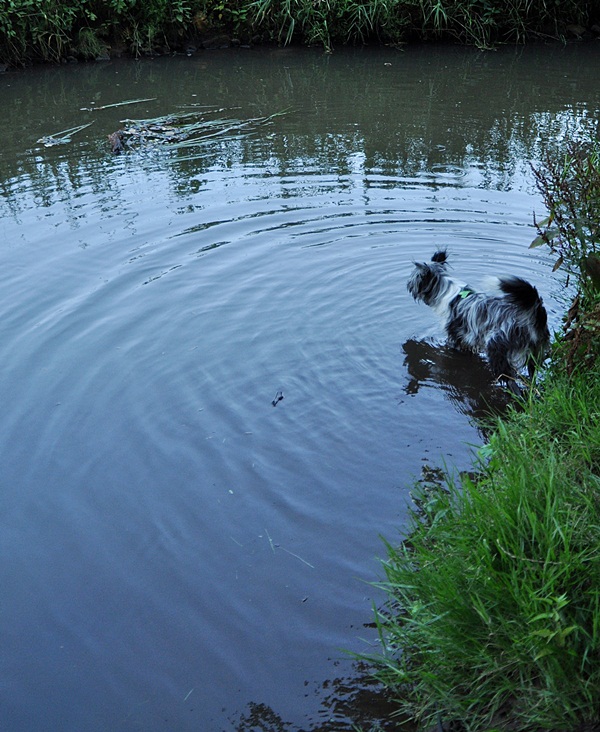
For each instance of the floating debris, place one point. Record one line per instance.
(63, 137)
(278, 398)
(117, 104)
(116, 142)
(183, 131)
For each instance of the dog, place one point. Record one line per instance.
(510, 328)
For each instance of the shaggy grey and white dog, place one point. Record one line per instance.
(510, 328)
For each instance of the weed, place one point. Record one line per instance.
(570, 186)
(47, 30)
(88, 44)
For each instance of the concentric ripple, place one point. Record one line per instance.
(217, 391)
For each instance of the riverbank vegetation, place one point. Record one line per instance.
(59, 30)
(493, 621)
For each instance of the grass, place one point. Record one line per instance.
(495, 597)
(52, 30)
(493, 617)
(483, 23)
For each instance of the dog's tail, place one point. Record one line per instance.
(526, 297)
(520, 292)
(441, 256)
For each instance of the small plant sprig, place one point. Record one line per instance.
(570, 186)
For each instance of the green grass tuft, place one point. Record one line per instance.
(494, 611)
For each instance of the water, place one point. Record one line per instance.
(176, 552)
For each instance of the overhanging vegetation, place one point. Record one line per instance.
(55, 30)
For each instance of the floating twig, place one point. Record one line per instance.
(312, 566)
(270, 541)
(117, 104)
(287, 551)
(63, 137)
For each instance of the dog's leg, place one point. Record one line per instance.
(497, 350)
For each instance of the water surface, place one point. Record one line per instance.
(177, 553)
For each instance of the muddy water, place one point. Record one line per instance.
(177, 552)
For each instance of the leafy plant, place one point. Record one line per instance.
(48, 30)
(570, 186)
(88, 44)
(232, 14)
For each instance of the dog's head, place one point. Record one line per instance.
(425, 281)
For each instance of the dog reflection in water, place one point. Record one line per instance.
(510, 326)
(461, 376)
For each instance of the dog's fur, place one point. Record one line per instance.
(510, 328)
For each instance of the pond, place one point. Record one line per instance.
(217, 393)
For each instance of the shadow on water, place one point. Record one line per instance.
(463, 377)
(348, 704)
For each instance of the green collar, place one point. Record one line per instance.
(465, 293)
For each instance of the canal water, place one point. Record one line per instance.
(216, 391)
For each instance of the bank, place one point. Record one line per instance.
(493, 619)
(72, 30)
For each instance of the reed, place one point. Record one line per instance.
(473, 22)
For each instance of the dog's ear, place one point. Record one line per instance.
(441, 256)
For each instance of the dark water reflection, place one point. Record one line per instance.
(463, 377)
(431, 113)
(358, 697)
(176, 552)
